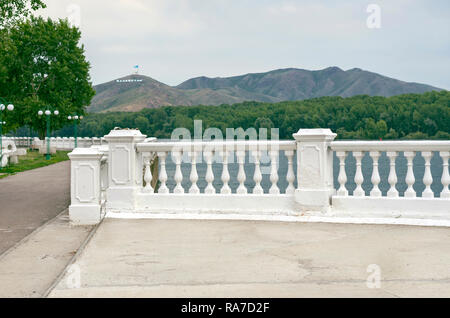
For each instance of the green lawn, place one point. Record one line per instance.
(31, 161)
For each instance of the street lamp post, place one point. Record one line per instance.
(75, 119)
(48, 113)
(10, 107)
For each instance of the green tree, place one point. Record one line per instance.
(142, 124)
(49, 69)
(13, 11)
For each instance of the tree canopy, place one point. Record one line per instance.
(45, 66)
(13, 11)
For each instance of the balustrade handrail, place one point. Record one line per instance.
(407, 145)
(229, 145)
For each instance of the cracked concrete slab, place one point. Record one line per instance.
(30, 268)
(195, 258)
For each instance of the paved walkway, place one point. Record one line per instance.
(193, 258)
(31, 198)
(27, 201)
(30, 268)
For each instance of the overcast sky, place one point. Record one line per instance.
(174, 40)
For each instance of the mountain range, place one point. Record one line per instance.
(136, 92)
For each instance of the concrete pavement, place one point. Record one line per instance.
(31, 198)
(36, 239)
(194, 258)
(30, 268)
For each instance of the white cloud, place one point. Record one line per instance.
(177, 39)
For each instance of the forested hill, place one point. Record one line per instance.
(136, 92)
(410, 116)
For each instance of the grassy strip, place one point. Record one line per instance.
(33, 160)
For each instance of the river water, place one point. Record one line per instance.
(367, 167)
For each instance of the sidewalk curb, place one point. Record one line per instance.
(71, 261)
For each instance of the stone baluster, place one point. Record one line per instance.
(225, 174)
(274, 172)
(209, 173)
(410, 192)
(392, 179)
(290, 177)
(194, 175)
(163, 173)
(241, 175)
(359, 178)
(427, 178)
(445, 194)
(148, 175)
(258, 176)
(376, 192)
(342, 178)
(176, 154)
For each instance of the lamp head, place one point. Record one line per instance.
(48, 113)
(40, 113)
(2, 107)
(10, 107)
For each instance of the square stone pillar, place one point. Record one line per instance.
(123, 175)
(314, 169)
(85, 207)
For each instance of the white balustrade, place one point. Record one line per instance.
(209, 173)
(427, 178)
(177, 156)
(376, 192)
(359, 178)
(194, 175)
(410, 179)
(274, 172)
(445, 175)
(392, 150)
(258, 175)
(290, 177)
(342, 178)
(148, 175)
(225, 151)
(127, 185)
(241, 174)
(162, 155)
(392, 179)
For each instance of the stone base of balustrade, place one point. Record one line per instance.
(266, 204)
(43, 150)
(371, 210)
(85, 214)
(314, 200)
(385, 207)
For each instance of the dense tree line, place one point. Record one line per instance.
(410, 116)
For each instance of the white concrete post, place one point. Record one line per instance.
(123, 175)
(314, 169)
(85, 189)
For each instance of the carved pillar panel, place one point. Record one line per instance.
(314, 169)
(85, 187)
(124, 174)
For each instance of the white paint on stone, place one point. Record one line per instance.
(114, 176)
